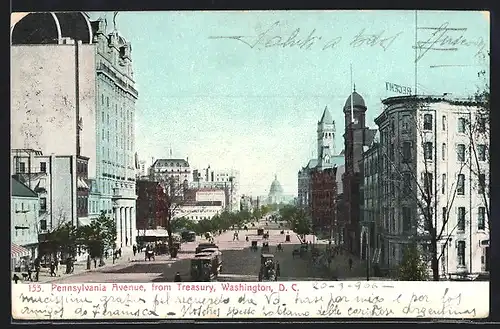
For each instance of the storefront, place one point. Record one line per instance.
(19, 257)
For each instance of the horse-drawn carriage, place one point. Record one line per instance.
(205, 266)
(203, 246)
(267, 270)
(217, 254)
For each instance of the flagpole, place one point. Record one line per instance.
(416, 50)
(352, 99)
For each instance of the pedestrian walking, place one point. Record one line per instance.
(350, 264)
(37, 268)
(95, 262)
(177, 277)
(53, 269)
(69, 265)
(29, 272)
(15, 278)
(134, 249)
(278, 272)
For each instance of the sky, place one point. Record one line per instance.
(245, 90)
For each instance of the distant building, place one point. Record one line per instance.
(24, 223)
(323, 201)
(199, 210)
(141, 172)
(246, 203)
(174, 174)
(208, 194)
(315, 179)
(225, 179)
(151, 212)
(275, 192)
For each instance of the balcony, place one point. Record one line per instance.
(123, 193)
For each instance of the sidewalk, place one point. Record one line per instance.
(81, 267)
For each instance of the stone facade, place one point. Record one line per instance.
(115, 102)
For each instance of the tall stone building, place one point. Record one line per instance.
(115, 116)
(73, 82)
(356, 136)
(439, 146)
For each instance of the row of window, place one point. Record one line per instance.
(406, 156)
(428, 183)
(120, 141)
(21, 167)
(461, 123)
(81, 167)
(123, 112)
(428, 148)
(82, 206)
(117, 157)
(408, 221)
(461, 245)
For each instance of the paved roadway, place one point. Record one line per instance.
(239, 262)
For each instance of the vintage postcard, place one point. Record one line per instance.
(253, 164)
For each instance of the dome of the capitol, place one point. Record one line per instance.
(276, 188)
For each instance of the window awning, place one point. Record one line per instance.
(81, 184)
(17, 251)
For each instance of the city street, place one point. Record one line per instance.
(240, 263)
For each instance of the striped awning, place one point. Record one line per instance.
(17, 251)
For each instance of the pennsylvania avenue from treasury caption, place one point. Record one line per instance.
(248, 149)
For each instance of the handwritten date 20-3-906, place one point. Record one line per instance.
(345, 285)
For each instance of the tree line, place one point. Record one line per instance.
(96, 238)
(223, 221)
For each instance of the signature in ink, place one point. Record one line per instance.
(269, 39)
(445, 38)
(372, 40)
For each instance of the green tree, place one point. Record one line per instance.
(98, 236)
(257, 213)
(62, 239)
(182, 223)
(288, 213)
(204, 226)
(413, 267)
(108, 232)
(265, 209)
(300, 223)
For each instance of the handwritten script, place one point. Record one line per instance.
(444, 38)
(311, 39)
(251, 300)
